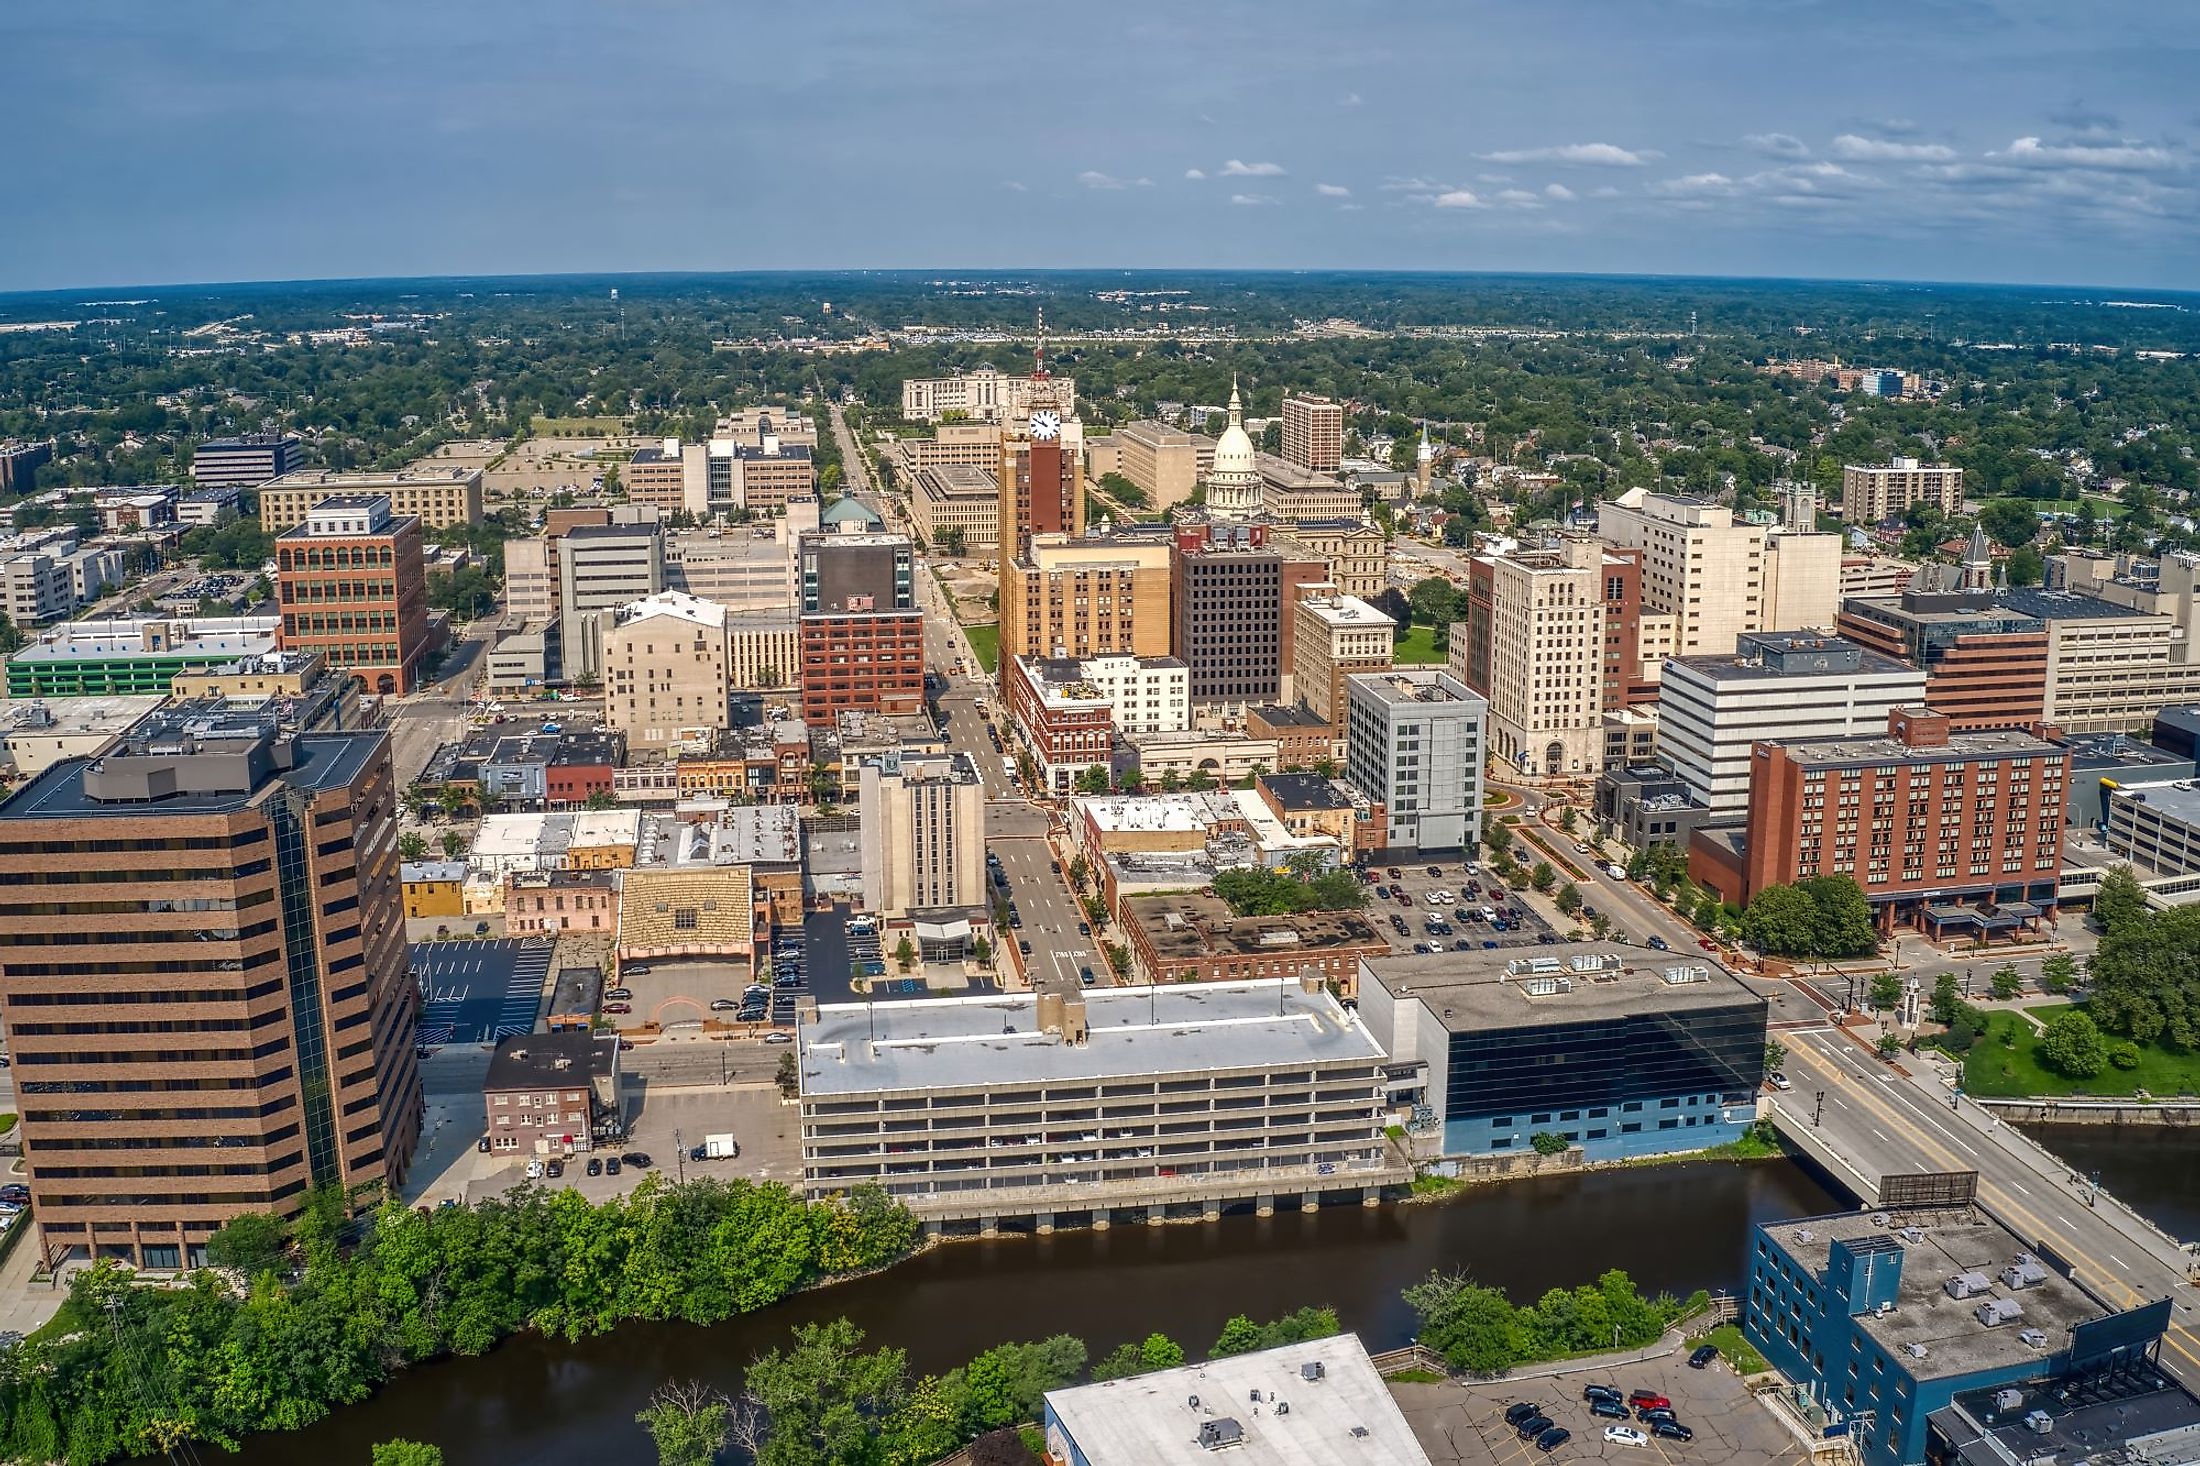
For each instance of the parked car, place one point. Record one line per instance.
(595, 1165)
(1520, 1410)
(1580, 848)
(1085, 976)
(481, 1145)
(1084, 928)
(554, 1169)
(1779, 1081)
(1396, 874)
(1462, 945)
(1422, 949)
(618, 1007)
(1703, 1356)
(779, 1036)
(1671, 1430)
(638, 1159)
(723, 1005)
(1023, 946)
(1533, 1426)
(1609, 1409)
(534, 1170)
(636, 969)
(1625, 1435)
(1658, 944)
(15, 1191)
(1707, 944)
(611, 1166)
(1648, 1400)
(1550, 1440)
(620, 994)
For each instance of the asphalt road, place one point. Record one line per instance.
(1885, 1123)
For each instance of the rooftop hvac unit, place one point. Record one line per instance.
(1312, 1370)
(1995, 1312)
(1220, 1435)
(1676, 976)
(1195, 1402)
(2008, 1399)
(1543, 987)
(2024, 1271)
(2033, 1339)
(1915, 1351)
(1968, 1285)
(1256, 1397)
(2039, 1422)
(1283, 1407)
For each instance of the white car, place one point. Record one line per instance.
(534, 1170)
(1779, 1081)
(1626, 1435)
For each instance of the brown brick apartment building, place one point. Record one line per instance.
(1195, 938)
(1941, 828)
(862, 636)
(202, 961)
(1984, 657)
(352, 587)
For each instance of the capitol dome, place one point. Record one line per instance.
(1233, 483)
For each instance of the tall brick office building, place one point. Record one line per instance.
(202, 962)
(862, 636)
(352, 585)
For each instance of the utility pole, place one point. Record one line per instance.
(679, 1152)
(1818, 1110)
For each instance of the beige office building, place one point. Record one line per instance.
(1079, 597)
(2110, 667)
(942, 500)
(1292, 494)
(1313, 432)
(1334, 636)
(1541, 630)
(665, 675)
(742, 567)
(531, 579)
(1873, 494)
(923, 838)
(1697, 563)
(1359, 560)
(667, 475)
(1802, 580)
(763, 651)
(438, 497)
(954, 445)
(985, 394)
(1166, 463)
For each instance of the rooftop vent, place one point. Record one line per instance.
(1968, 1285)
(1676, 976)
(1359, 1432)
(1311, 1370)
(1915, 1351)
(2039, 1422)
(1220, 1435)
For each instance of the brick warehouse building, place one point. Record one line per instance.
(1945, 830)
(862, 636)
(204, 981)
(352, 586)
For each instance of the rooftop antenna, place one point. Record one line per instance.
(622, 313)
(1039, 352)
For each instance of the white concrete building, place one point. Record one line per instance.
(1712, 710)
(985, 393)
(1414, 741)
(1146, 694)
(1541, 631)
(923, 840)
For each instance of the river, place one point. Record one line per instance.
(1678, 1227)
(2153, 1169)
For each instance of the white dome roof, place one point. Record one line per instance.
(1233, 450)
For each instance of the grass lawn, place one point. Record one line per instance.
(986, 642)
(2000, 1069)
(573, 427)
(1736, 1350)
(1418, 648)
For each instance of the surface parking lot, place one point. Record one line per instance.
(1415, 911)
(478, 992)
(1466, 1423)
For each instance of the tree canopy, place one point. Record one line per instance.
(1274, 893)
(1824, 916)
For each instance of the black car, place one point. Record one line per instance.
(1608, 1407)
(16, 1192)
(1520, 1410)
(1085, 976)
(481, 1145)
(611, 1166)
(1658, 944)
(1553, 1438)
(554, 1170)
(1652, 1414)
(1533, 1426)
(1604, 1392)
(1023, 947)
(1703, 1356)
(1672, 1430)
(1084, 928)
(635, 969)
(595, 1165)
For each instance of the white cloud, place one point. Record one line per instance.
(1519, 198)
(1094, 178)
(1778, 144)
(1349, 99)
(2119, 157)
(1694, 185)
(1251, 200)
(1332, 190)
(1350, 208)
(1595, 155)
(1236, 169)
(1458, 198)
(1409, 185)
(1558, 191)
(1879, 150)
(1013, 186)
(1195, 173)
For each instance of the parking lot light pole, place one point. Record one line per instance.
(679, 1153)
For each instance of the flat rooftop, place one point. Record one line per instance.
(1571, 982)
(1194, 926)
(533, 1059)
(1182, 1028)
(1935, 1249)
(2142, 1420)
(2177, 799)
(1305, 791)
(1799, 656)
(1988, 743)
(1403, 686)
(322, 761)
(1344, 1417)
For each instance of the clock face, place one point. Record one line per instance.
(1046, 423)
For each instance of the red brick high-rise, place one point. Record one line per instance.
(351, 584)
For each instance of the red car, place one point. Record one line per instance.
(1495, 893)
(1649, 1400)
(1707, 944)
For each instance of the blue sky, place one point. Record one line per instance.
(2021, 140)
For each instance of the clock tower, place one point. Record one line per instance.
(1042, 467)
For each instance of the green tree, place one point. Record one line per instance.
(2005, 984)
(1947, 999)
(689, 1421)
(1119, 958)
(1239, 1336)
(1844, 916)
(11, 637)
(1548, 1142)
(2010, 522)
(1155, 1351)
(1542, 876)
(407, 1453)
(1569, 898)
(905, 953)
(1474, 1328)
(2145, 978)
(2073, 1046)
(1079, 871)
(1092, 781)
(601, 799)
(454, 844)
(1782, 921)
(789, 1074)
(2025, 566)
(2119, 899)
(1886, 991)
(251, 1243)
(981, 951)
(825, 1400)
(1709, 912)
(412, 846)
(1888, 1045)
(2059, 973)
(1497, 838)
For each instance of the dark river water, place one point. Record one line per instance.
(2155, 1169)
(1678, 1227)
